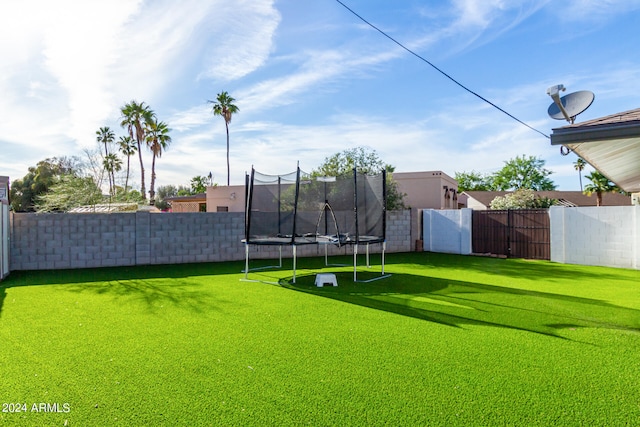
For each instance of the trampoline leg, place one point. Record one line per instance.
(246, 261)
(368, 264)
(280, 259)
(384, 246)
(294, 263)
(326, 259)
(355, 262)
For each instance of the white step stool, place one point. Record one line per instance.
(326, 279)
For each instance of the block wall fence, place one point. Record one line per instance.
(62, 241)
(605, 236)
(600, 236)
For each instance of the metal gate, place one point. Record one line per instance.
(519, 233)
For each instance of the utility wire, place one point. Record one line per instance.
(439, 70)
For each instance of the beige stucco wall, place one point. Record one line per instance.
(231, 196)
(475, 205)
(426, 190)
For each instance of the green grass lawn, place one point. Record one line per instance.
(446, 340)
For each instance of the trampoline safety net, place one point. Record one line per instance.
(299, 208)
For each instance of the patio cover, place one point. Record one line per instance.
(610, 144)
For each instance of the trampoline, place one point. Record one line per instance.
(299, 209)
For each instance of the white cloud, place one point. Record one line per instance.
(594, 10)
(242, 38)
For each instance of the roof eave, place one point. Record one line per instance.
(585, 134)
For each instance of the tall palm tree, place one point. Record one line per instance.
(600, 184)
(106, 136)
(579, 165)
(158, 140)
(128, 148)
(134, 115)
(223, 106)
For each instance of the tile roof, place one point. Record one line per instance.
(565, 198)
(618, 118)
(190, 198)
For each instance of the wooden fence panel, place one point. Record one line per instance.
(489, 232)
(521, 233)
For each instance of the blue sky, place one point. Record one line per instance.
(311, 79)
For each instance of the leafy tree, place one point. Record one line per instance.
(223, 106)
(128, 196)
(522, 198)
(134, 116)
(199, 184)
(158, 139)
(183, 190)
(366, 161)
(38, 180)
(523, 172)
(128, 148)
(600, 184)
(69, 191)
(363, 159)
(473, 181)
(166, 191)
(579, 165)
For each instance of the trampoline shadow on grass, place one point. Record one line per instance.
(463, 304)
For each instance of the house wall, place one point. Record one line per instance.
(59, 241)
(425, 190)
(472, 203)
(186, 206)
(602, 236)
(231, 197)
(447, 231)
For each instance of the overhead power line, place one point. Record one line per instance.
(440, 71)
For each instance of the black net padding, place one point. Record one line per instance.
(299, 208)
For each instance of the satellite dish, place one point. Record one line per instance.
(568, 106)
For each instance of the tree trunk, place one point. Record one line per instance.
(580, 175)
(228, 169)
(152, 193)
(142, 186)
(126, 180)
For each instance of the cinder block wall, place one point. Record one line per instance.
(55, 241)
(601, 236)
(58, 241)
(447, 231)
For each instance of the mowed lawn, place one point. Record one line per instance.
(445, 341)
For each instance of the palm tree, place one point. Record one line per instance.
(128, 148)
(157, 140)
(112, 163)
(106, 136)
(134, 116)
(223, 106)
(600, 184)
(579, 165)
